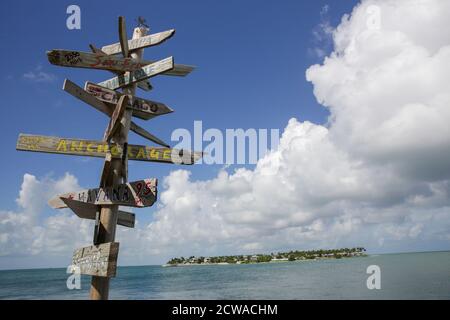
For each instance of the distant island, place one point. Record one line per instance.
(273, 257)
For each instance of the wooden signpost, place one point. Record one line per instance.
(102, 204)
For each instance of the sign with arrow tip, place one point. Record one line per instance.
(140, 43)
(79, 59)
(142, 108)
(144, 73)
(92, 148)
(88, 211)
(140, 193)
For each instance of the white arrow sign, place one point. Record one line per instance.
(144, 73)
(140, 43)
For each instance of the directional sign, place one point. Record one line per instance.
(114, 124)
(147, 135)
(144, 73)
(180, 70)
(91, 148)
(140, 193)
(88, 211)
(97, 95)
(78, 59)
(99, 260)
(144, 85)
(142, 108)
(140, 43)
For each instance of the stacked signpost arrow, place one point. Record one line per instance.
(101, 204)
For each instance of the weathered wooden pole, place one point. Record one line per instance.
(117, 173)
(102, 203)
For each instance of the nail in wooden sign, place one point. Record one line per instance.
(140, 193)
(144, 73)
(99, 260)
(142, 108)
(92, 148)
(140, 43)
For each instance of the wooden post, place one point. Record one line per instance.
(100, 260)
(117, 175)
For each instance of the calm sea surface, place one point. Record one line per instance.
(403, 276)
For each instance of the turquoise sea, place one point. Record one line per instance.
(403, 276)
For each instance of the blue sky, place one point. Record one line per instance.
(368, 166)
(251, 58)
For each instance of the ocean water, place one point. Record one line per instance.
(403, 276)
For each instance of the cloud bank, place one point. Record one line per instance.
(377, 174)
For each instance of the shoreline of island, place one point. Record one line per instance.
(291, 256)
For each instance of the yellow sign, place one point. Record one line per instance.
(93, 148)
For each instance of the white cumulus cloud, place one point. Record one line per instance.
(376, 174)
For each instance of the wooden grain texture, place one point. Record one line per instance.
(92, 148)
(114, 124)
(96, 96)
(140, 43)
(141, 193)
(99, 260)
(123, 39)
(107, 219)
(86, 97)
(105, 175)
(87, 211)
(142, 108)
(144, 85)
(147, 135)
(179, 70)
(80, 59)
(144, 73)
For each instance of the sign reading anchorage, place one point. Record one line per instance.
(124, 60)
